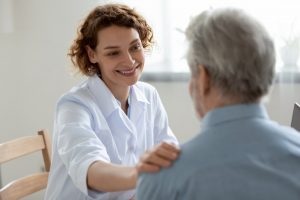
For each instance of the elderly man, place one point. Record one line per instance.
(240, 153)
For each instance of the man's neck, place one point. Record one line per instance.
(216, 100)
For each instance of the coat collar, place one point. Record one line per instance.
(105, 99)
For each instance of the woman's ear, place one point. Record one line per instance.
(91, 53)
(203, 80)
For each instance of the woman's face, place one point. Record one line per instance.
(120, 56)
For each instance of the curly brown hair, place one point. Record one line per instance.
(99, 18)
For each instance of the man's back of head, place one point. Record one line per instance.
(239, 153)
(236, 52)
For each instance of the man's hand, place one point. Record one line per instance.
(162, 155)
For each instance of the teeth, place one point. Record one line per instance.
(127, 71)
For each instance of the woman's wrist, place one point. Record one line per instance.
(134, 175)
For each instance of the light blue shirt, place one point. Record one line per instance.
(240, 154)
(90, 125)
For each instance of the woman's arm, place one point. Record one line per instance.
(107, 177)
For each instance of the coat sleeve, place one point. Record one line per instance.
(77, 144)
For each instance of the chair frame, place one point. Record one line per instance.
(20, 147)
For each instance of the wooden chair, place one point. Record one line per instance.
(17, 148)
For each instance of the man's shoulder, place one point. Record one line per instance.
(161, 185)
(168, 182)
(273, 131)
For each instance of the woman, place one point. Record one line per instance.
(105, 124)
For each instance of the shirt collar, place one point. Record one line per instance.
(106, 100)
(232, 113)
(137, 95)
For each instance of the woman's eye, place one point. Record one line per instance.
(136, 47)
(113, 53)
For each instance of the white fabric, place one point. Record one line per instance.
(90, 126)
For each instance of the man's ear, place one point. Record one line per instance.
(91, 53)
(204, 79)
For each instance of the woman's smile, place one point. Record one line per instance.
(129, 71)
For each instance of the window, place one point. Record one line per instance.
(169, 18)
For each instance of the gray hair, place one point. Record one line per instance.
(236, 51)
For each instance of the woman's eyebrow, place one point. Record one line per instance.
(115, 47)
(134, 41)
(111, 47)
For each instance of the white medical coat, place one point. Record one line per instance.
(90, 125)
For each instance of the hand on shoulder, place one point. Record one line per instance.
(161, 155)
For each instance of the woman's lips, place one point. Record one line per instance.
(128, 72)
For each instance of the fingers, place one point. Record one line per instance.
(161, 155)
(168, 151)
(169, 146)
(145, 167)
(166, 154)
(156, 159)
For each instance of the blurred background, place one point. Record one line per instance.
(35, 36)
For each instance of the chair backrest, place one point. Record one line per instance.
(20, 147)
(296, 117)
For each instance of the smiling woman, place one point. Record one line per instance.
(105, 124)
(120, 58)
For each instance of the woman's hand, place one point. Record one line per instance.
(162, 155)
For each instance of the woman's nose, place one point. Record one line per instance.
(128, 59)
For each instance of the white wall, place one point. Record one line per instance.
(34, 69)
(34, 72)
